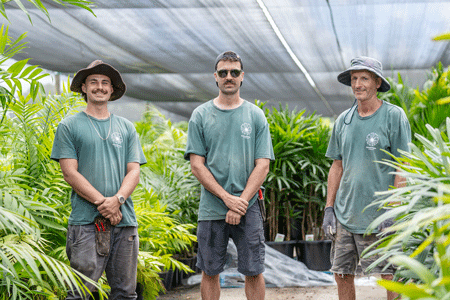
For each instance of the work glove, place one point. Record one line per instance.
(329, 223)
(385, 224)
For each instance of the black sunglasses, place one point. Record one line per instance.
(234, 73)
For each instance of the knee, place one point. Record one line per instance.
(84, 266)
(210, 277)
(253, 278)
(344, 277)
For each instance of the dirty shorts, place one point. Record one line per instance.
(248, 237)
(346, 252)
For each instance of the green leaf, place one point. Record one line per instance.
(444, 100)
(17, 67)
(441, 37)
(418, 268)
(412, 291)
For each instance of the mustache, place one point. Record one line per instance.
(99, 90)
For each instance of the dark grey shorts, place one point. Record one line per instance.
(346, 252)
(120, 264)
(248, 236)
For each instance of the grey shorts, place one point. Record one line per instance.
(120, 264)
(248, 236)
(346, 252)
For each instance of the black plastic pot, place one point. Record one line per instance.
(139, 291)
(167, 279)
(314, 254)
(190, 262)
(296, 227)
(286, 247)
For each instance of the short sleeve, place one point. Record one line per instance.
(63, 146)
(135, 152)
(263, 144)
(196, 143)
(400, 132)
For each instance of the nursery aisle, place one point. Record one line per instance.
(288, 293)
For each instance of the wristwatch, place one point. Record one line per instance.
(121, 199)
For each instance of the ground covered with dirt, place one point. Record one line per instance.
(371, 292)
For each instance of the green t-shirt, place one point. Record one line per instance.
(359, 146)
(102, 162)
(230, 141)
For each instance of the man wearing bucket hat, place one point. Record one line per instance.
(230, 148)
(100, 157)
(359, 135)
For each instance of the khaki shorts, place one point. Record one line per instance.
(346, 252)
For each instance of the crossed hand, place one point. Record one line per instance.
(109, 207)
(238, 208)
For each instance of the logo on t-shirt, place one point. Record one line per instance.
(246, 130)
(371, 140)
(116, 139)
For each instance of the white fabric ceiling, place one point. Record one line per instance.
(166, 49)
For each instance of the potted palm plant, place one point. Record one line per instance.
(286, 129)
(296, 182)
(417, 243)
(167, 178)
(314, 251)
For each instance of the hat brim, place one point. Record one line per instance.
(103, 69)
(345, 77)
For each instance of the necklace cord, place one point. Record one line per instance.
(109, 131)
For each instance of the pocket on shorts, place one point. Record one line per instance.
(202, 230)
(79, 237)
(130, 244)
(103, 242)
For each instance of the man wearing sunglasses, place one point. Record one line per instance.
(230, 148)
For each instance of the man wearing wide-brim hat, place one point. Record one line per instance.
(100, 157)
(359, 135)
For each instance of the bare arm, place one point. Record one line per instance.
(78, 182)
(256, 178)
(399, 181)
(111, 205)
(334, 180)
(206, 178)
(84, 188)
(254, 183)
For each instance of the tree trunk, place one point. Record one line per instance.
(271, 218)
(288, 221)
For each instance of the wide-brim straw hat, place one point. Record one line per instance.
(99, 67)
(365, 63)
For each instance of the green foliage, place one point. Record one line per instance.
(420, 239)
(298, 177)
(442, 37)
(167, 174)
(39, 5)
(428, 106)
(166, 200)
(12, 78)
